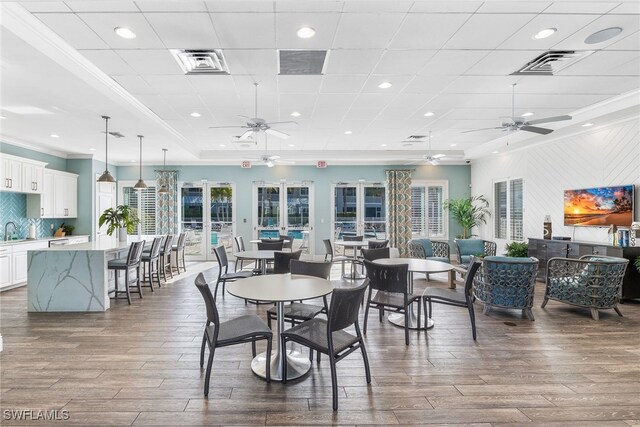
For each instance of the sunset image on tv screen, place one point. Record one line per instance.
(599, 206)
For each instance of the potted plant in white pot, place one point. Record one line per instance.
(122, 218)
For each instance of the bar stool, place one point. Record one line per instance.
(131, 262)
(179, 251)
(165, 257)
(152, 260)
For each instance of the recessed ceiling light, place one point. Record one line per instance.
(385, 85)
(494, 152)
(2, 117)
(53, 135)
(195, 114)
(527, 114)
(603, 35)
(543, 34)
(295, 114)
(292, 145)
(347, 132)
(125, 33)
(92, 149)
(306, 32)
(586, 125)
(383, 145)
(453, 145)
(429, 114)
(222, 145)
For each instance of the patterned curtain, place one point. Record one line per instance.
(167, 204)
(399, 209)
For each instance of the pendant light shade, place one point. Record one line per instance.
(106, 176)
(140, 184)
(163, 188)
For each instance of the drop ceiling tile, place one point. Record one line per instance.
(151, 61)
(72, 29)
(252, 61)
(398, 81)
(452, 62)
(102, 6)
(631, 42)
(580, 7)
(337, 101)
(169, 84)
(372, 100)
(627, 7)
(287, 24)
(446, 6)
(299, 84)
(374, 6)
(45, 6)
(575, 84)
(104, 23)
(134, 84)
(258, 30)
(403, 61)
(629, 23)
(564, 23)
(159, 106)
(342, 84)
(427, 31)
(308, 6)
(352, 61)
(604, 63)
(481, 84)
(503, 63)
(428, 84)
(513, 7)
(300, 102)
(362, 114)
(108, 61)
(487, 31)
(191, 31)
(171, 6)
(239, 6)
(367, 30)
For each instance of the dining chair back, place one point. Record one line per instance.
(275, 245)
(376, 244)
(311, 268)
(281, 261)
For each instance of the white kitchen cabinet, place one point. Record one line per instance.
(59, 198)
(5, 267)
(19, 270)
(11, 174)
(32, 178)
(14, 262)
(79, 239)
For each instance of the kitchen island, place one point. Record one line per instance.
(70, 278)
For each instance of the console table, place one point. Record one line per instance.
(546, 249)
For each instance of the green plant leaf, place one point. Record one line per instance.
(468, 212)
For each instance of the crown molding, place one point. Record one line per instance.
(30, 146)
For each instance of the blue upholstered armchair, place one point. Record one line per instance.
(506, 282)
(594, 282)
(465, 248)
(429, 249)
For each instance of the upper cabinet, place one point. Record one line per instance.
(21, 175)
(59, 198)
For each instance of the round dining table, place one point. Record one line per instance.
(260, 256)
(355, 245)
(416, 265)
(281, 288)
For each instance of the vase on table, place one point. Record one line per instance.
(122, 235)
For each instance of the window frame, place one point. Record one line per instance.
(130, 184)
(425, 233)
(509, 226)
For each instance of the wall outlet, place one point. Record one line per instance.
(51, 226)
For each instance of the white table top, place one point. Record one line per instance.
(268, 241)
(351, 244)
(280, 287)
(418, 265)
(255, 254)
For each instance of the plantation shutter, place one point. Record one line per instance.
(418, 214)
(435, 211)
(500, 208)
(147, 211)
(516, 209)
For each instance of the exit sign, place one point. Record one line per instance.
(246, 164)
(321, 164)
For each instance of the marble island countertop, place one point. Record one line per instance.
(89, 246)
(42, 239)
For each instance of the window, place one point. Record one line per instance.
(509, 208)
(144, 202)
(427, 216)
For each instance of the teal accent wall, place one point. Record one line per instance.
(459, 178)
(54, 162)
(13, 207)
(85, 168)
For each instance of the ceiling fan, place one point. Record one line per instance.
(257, 124)
(521, 123)
(433, 159)
(270, 160)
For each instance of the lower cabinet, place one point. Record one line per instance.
(5, 267)
(13, 263)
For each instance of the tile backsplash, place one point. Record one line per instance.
(13, 207)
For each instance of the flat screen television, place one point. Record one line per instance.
(599, 207)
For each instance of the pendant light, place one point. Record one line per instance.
(106, 176)
(140, 184)
(163, 188)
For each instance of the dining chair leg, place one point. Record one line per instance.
(268, 361)
(126, 285)
(138, 281)
(204, 342)
(472, 316)
(334, 382)
(169, 263)
(207, 376)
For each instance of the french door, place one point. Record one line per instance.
(208, 218)
(284, 208)
(358, 209)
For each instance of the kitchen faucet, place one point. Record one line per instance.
(6, 236)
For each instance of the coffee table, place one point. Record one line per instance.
(280, 288)
(416, 265)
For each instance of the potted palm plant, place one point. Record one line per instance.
(517, 249)
(468, 212)
(122, 218)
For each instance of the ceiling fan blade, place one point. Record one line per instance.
(226, 127)
(273, 157)
(276, 133)
(534, 129)
(438, 156)
(279, 123)
(549, 120)
(246, 134)
(476, 130)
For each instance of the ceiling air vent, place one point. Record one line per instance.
(416, 137)
(302, 62)
(549, 63)
(194, 62)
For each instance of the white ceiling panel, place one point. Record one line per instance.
(481, 84)
(338, 102)
(629, 24)
(342, 83)
(603, 63)
(309, 6)
(191, 31)
(240, 6)
(631, 42)
(452, 62)
(299, 84)
(160, 106)
(102, 6)
(222, 87)
(565, 24)
(171, 6)
(366, 30)
(570, 7)
(503, 62)
(487, 31)
(257, 30)
(429, 84)
(398, 82)
(169, 84)
(287, 24)
(608, 85)
(297, 102)
(372, 100)
(108, 61)
(375, 6)
(73, 30)
(427, 31)
(151, 61)
(252, 61)
(134, 84)
(352, 61)
(513, 6)
(452, 6)
(362, 114)
(403, 61)
(104, 23)
(627, 7)
(46, 6)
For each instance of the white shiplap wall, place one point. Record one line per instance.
(598, 158)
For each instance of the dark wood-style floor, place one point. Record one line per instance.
(138, 365)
